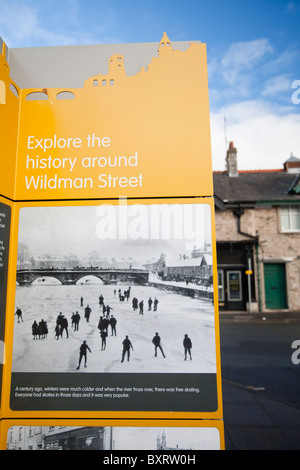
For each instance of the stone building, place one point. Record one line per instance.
(59, 438)
(258, 236)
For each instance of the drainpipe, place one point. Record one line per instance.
(258, 276)
(238, 214)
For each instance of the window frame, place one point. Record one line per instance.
(287, 210)
(240, 290)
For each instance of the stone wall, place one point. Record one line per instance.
(274, 245)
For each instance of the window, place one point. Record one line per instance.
(234, 285)
(290, 218)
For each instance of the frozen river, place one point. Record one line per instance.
(176, 316)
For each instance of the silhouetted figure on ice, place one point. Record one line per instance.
(156, 341)
(43, 329)
(87, 313)
(57, 330)
(35, 329)
(76, 320)
(19, 315)
(113, 324)
(126, 348)
(82, 353)
(187, 344)
(103, 335)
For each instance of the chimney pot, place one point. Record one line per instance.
(231, 161)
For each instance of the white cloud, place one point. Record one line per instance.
(241, 57)
(277, 85)
(247, 84)
(239, 72)
(292, 8)
(264, 138)
(38, 24)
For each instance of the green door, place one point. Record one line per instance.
(275, 285)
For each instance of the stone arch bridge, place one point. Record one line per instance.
(25, 277)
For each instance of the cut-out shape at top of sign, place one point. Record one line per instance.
(156, 123)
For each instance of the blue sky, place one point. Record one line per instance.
(253, 51)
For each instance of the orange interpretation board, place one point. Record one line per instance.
(108, 253)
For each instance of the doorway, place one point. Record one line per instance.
(231, 285)
(275, 285)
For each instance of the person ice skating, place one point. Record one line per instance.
(156, 341)
(62, 322)
(81, 301)
(126, 348)
(141, 305)
(42, 329)
(82, 353)
(187, 344)
(76, 320)
(103, 324)
(64, 326)
(87, 313)
(150, 302)
(103, 335)
(155, 303)
(101, 299)
(19, 315)
(135, 303)
(113, 324)
(35, 329)
(107, 310)
(57, 330)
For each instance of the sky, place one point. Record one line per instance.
(253, 55)
(138, 231)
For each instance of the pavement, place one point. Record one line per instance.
(252, 420)
(282, 316)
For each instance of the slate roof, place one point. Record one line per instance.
(256, 186)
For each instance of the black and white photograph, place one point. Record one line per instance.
(114, 289)
(113, 438)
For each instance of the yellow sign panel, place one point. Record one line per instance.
(9, 119)
(145, 135)
(109, 194)
(149, 265)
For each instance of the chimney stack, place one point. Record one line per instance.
(231, 161)
(292, 165)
